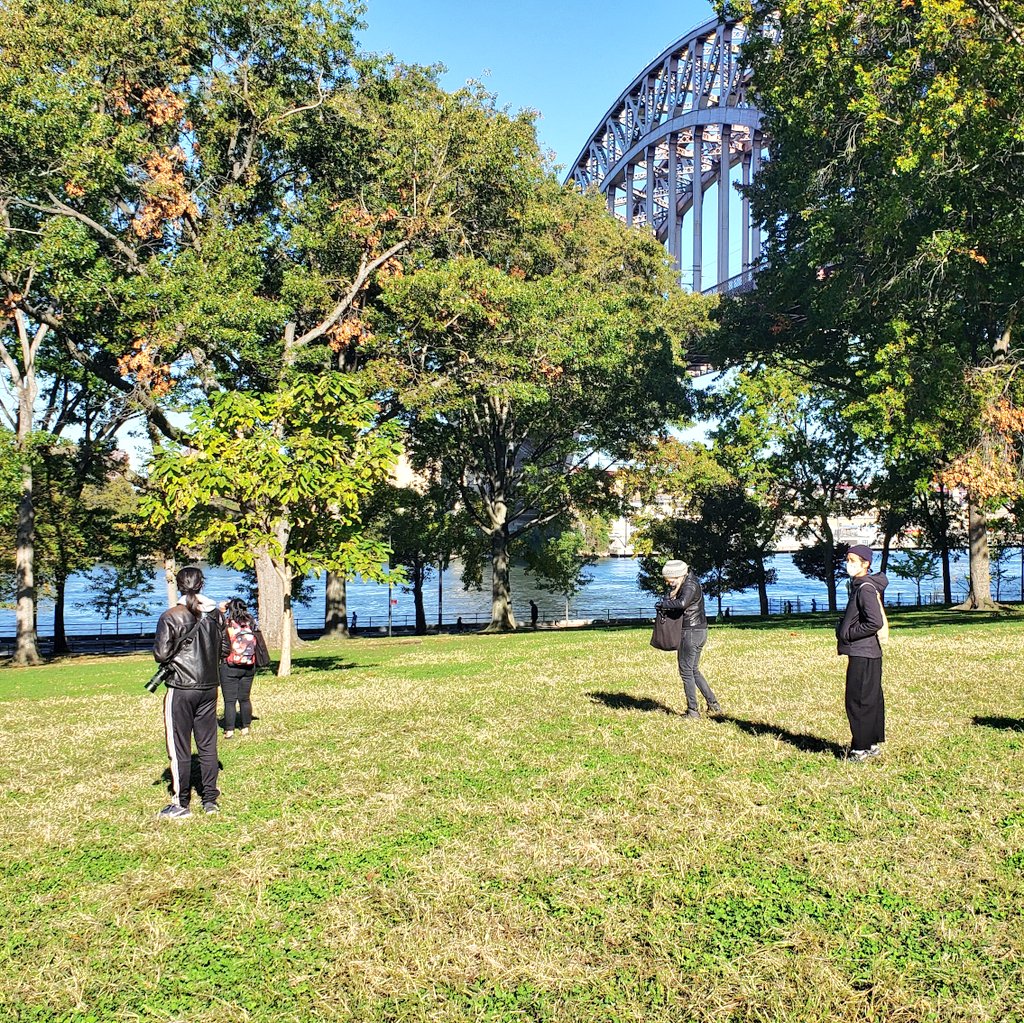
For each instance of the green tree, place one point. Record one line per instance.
(529, 370)
(120, 590)
(559, 563)
(915, 565)
(287, 473)
(796, 450)
(724, 537)
(893, 264)
(423, 531)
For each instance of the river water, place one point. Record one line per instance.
(611, 593)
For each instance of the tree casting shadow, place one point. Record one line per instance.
(801, 740)
(623, 701)
(1006, 724)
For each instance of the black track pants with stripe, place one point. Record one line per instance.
(189, 712)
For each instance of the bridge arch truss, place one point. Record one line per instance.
(683, 129)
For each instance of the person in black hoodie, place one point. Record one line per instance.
(189, 637)
(857, 636)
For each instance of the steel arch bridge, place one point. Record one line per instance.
(682, 131)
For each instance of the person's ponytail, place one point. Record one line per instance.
(190, 582)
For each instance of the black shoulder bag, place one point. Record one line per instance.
(668, 629)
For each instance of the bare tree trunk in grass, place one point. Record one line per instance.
(502, 617)
(60, 639)
(272, 604)
(336, 606)
(980, 596)
(26, 649)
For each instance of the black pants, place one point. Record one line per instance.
(865, 703)
(236, 685)
(189, 712)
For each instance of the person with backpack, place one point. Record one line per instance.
(244, 650)
(188, 640)
(858, 634)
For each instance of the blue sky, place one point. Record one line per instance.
(568, 60)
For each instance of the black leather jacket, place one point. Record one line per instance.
(689, 600)
(196, 665)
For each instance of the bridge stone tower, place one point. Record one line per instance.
(670, 150)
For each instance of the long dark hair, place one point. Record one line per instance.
(236, 611)
(190, 581)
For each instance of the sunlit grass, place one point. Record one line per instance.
(522, 828)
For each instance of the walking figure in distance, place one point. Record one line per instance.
(534, 612)
(244, 650)
(685, 595)
(189, 637)
(858, 636)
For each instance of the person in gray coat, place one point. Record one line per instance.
(686, 597)
(857, 636)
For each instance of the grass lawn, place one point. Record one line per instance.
(524, 828)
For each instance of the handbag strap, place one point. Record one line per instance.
(185, 639)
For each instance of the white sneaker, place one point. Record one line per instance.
(228, 735)
(245, 731)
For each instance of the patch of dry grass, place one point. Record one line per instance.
(522, 828)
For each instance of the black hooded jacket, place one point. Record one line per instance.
(196, 664)
(857, 633)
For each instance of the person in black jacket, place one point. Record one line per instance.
(686, 596)
(857, 636)
(189, 637)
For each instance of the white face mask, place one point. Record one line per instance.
(852, 568)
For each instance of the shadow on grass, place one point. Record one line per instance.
(801, 740)
(328, 664)
(1005, 724)
(901, 618)
(623, 701)
(195, 780)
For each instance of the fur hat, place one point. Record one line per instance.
(863, 552)
(675, 569)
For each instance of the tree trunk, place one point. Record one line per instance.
(440, 594)
(336, 606)
(418, 573)
(886, 545)
(272, 604)
(60, 639)
(762, 588)
(271, 607)
(284, 574)
(503, 618)
(171, 579)
(830, 567)
(980, 596)
(947, 575)
(26, 649)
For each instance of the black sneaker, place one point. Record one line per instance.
(860, 755)
(173, 812)
(211, 808)
(693, 715)
(714, 710)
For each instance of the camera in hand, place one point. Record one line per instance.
(156, 681)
